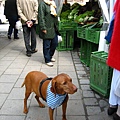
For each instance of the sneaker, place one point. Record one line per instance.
(53, 60)
(28, 54)
(49, 64)
(34, 51)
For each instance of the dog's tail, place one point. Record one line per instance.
(23, 84)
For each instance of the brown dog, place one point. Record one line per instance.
(61, 85)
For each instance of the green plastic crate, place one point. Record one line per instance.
(100, 73)
(81, 32)
(86, 49)
(70, 40)
(93, 35)
(67, 25)
(67, 41)
(62, 45)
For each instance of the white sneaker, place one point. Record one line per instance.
(49, 64)
(53, 60)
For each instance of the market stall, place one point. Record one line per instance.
(90, 18)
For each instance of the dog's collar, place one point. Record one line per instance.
(41, 83)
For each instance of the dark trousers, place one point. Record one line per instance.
(29, 38)
(12, 23)
(49, 46)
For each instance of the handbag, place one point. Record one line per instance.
(18, 25)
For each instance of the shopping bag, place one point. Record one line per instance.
(59, 39)
(18, 25)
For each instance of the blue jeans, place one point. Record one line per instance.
(49, 46)
(29, 38)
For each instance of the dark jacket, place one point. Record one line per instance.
(11, 9)
(47, 22)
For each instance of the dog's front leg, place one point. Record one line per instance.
(64, 107)
(51, 112)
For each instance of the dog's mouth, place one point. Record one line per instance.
(72, 90)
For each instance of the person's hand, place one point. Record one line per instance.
(44, 31)
(29, 23)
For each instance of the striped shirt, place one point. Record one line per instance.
(53, 100)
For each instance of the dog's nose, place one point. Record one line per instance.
(75, 88)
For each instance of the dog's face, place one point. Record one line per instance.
(62, 84)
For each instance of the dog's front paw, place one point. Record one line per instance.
(41, 105)
(25, 111)
(64, 119)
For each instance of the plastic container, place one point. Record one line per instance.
(67, 25)
(93, 35)
(67, 41)
(85, 51)
(100, 73)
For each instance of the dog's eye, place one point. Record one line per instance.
(70, 80)
(64, 83)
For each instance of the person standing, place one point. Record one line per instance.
(114, 62)
(28, 11)
(11, 14)
(48, 29)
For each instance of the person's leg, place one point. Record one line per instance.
(11, 26)
(15, 19)
(46, 50)
(26, 34)
(113, 99)
(33, 38)
(54, 44)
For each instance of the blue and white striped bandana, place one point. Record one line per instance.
(52, 100)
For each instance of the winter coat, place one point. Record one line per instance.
(11, 9)
(28, 10)
(47, 22)
(114, 51)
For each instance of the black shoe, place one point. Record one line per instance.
(111, 110)
(34, 51)
(28, 54)
(9, 37)
(116, 117)
(16, 37)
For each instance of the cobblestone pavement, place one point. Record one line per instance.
(14, 65)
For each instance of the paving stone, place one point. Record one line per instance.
(84, 81)
(37, 113)
(13, 71)
(85, 87)
(8, 78)
(103, 103)
(5, 88)
(12, 117)
(93, 110)
(66, 68)
(13, 107)
(90, 101)
(71, 118)
(2, 99)
(88, 94)
(74, 108)
(18, 94)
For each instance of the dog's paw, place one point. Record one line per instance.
(42, 105)
(25, 111)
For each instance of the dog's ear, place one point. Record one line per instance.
(53, 87)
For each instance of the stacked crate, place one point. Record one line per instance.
(100, 73)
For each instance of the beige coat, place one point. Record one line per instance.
(27, 10)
